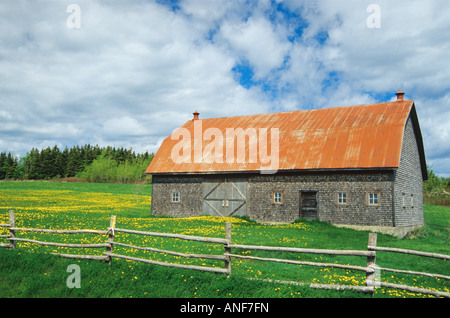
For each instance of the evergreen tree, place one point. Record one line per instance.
(29, 164)
(8, 165)
(46, 163)
(64, 157)
(72, 162)
(12, 165)
(2, 163)
(36, 164)
(57, 169)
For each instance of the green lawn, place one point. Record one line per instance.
(57, 205)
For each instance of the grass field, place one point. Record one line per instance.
(57, 205)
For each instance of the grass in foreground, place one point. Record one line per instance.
(89, 206)
(36, 275)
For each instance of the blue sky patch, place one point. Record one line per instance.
(244, 75)
(172, 4)
(281, 14)
(321, 37)
(330, 81)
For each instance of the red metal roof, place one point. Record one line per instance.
(363, 136)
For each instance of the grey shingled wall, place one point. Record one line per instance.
(408, 182)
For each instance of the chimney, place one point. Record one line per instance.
(196, 113)
(399, 95)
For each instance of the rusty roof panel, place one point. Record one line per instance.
(364, 136)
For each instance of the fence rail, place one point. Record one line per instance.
(304, 250)
(411, 252)
(16, 239)
(318, 264)
(151, 249)
(370, 269)
(23, 229)
(177, 236)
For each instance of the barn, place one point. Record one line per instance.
(359, 166)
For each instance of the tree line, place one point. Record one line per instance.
(435, 183)
(106, 164)
(78, 161)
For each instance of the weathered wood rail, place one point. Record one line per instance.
(112, 230)
(370, 254)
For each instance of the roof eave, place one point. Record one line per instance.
(418, 133)
(276, 172)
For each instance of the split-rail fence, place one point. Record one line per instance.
(371, 269)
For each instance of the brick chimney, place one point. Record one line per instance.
(399, 95)
(196, 113)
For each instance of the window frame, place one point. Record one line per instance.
(281, 197)
(172, 196)
(346, 198)
(378, 193)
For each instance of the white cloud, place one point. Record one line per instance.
(124, 126)
(434, 118)
(406, 48)
(257, 41)
(140, 63)
(409, 52)
(136, 70)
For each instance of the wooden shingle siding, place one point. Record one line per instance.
(260, 190)
(408, 182)
(326, 184)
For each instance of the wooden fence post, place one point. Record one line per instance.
(12, 224)
(227, 247)
(371, 260)
(109, 249)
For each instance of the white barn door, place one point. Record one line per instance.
(225, 197)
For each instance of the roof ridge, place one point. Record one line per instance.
(314, 109)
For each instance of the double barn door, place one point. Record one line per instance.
(225, 197)
(228, 197)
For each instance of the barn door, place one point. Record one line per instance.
(308, 204)
(225, 197)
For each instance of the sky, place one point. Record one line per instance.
(128, 73)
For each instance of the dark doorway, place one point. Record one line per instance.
(308, 204)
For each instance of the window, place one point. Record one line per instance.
(175, 197)
(403, 200)
(342, 198)
(412, 200)
(373, 198)
(277, 197)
